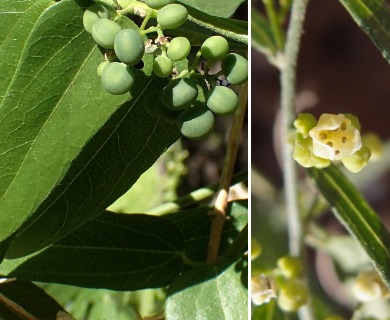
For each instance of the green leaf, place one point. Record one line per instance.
(18, 18)
(24, 300)
(114, 251)
(373, 17)
(220, 8)
(69, 148)
(209, 293)
(356, 215)
(262, 36)
(196, 238)
(147, 250)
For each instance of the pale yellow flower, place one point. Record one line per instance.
(335, 137)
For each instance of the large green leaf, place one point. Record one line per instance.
(115, 251)
(356, 215)
(24, 300)
(218, 293)
(373, 17)
(220, 8)
(61, 130)
(195, 227)
(147, 251)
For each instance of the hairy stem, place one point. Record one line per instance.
(288, 83)
(288, 79)
(218, 216)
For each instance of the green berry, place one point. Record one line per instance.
(101, 67)
(179, 48)
(222, 100)
(162, 66)
(157, 4)
(92, 14)
(196, 122)
(129, 46)
(117, 78)
(215, 47)
(172, 16)
(235, 68)
(104, 32)
(179, 94)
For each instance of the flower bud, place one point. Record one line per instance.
(374, 143)
(369, 286)
(293, 295)
(358, 160)
(304, 123)
(290, 267)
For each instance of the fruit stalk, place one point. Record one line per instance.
(218, 216)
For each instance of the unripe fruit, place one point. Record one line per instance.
(196, 122)
(104, 32)
(222, 100)
(101, 67)
(293, 295)
(215, 47)
(117, 78)
(129, 46)
(179, 94)
(179, 48)
(172, 16)
(235, 68)
(92, 14)
(162, 66)
(157, 4)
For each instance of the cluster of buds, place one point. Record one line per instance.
(332, 138)
(283, 284)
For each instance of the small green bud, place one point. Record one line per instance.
(304, 123)
(303, 154)
(291, 267)
(293, 295)
(358, 160)
(255, 248)
(374, 143)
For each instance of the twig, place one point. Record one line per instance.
(288, 83)
(288, 78)
(195, 196)
(218, 216)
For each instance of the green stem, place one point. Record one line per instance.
(288, 79)
(288, 84)
(195, 196)
(243, 38)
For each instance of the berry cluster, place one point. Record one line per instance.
(193, 95)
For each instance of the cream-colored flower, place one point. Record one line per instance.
(335, 137)
(263, 289)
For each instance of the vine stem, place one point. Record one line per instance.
(195, 196)
(288, 84)
(243, 38)
(218, 216)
